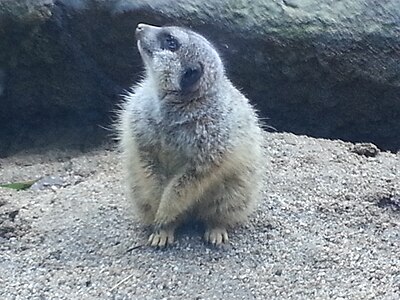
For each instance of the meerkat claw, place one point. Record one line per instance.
(161, 238)
(216, 236)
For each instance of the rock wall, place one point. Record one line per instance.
(318, 67)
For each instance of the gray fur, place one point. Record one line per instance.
(196, 154)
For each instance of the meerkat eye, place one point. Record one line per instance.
(190, 78)
(170, 43)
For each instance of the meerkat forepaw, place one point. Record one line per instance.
(161, 238)
(216, 236)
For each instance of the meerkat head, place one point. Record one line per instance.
(180, 61)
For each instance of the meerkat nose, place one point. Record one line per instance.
(142, 26)
(140, 29)
(143, 29)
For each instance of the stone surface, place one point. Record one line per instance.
(317, 67)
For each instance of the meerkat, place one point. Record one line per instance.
(191, 143)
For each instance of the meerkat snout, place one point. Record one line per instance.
(141, 27)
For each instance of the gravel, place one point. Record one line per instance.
(327, 228)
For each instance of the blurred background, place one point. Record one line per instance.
(321, 68)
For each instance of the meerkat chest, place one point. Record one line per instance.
(194, 140)
(161, 147)
(179, 138)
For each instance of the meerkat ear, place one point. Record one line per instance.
(191, 78)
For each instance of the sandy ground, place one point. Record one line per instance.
(328, 228)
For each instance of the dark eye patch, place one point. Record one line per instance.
(168, 42)
(190, 78)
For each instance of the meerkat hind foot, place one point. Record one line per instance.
(216, 236)
(161, 238)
